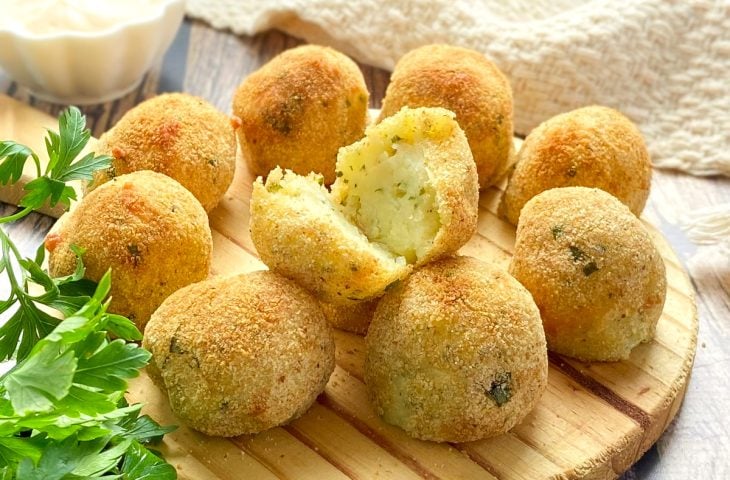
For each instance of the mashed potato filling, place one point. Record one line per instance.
(383, 183)
(392, 202)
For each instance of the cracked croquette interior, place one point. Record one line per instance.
(383, 192)
(384, 185)
(406, 194)
(384, 189)
(314, 197)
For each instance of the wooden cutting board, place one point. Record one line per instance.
(594, 421)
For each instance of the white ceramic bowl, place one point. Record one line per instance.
(83, 67)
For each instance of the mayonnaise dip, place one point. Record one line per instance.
(47, 17)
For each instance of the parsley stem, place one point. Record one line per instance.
(8, 245)
(16, 216)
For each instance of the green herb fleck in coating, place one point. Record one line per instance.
(499, 390)
(590, 268)
(577, 254)
(557, 231)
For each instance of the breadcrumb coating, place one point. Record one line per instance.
(299, 233)
(594, 147)
(456, 352)
(179, 135)
(240, 354)
(598, 279)
(350, 318)
(467, 83)
(144, 226)
(299, 109)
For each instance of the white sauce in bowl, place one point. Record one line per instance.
(48, 17)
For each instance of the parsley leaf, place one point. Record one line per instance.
(69, 393)
(144, 429)
(110, 366)
(63, 148)
(12, 160)
(141, 464)
(43, 378)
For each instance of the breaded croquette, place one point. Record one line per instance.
(467, 83)
(590, 147)
(593, 271)
(179, 135)
(350, 318)
(300, 233)
(456, 352)
(299, 109)
(144, 226)
(241, 354)
(405, 194)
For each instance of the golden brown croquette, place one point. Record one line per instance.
(593, 271)
(350, 318)
(299, 109)
(241, 354)
(300, 233)
(591, 147)
(179, 135)
(467, 83)
(144, 226)
(456, 352)
(405, 194)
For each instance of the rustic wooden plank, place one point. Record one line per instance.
(287, 457)
(343, 445)
(511, 458)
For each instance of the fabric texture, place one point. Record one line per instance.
(709, 226)
(663, 63)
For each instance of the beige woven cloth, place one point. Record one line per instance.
(663, 63)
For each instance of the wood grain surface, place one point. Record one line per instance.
(210, 63)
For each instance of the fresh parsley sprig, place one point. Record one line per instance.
(28, 322)
(63, 147)
(62, 409)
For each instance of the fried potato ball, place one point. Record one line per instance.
(456, 352)
(590, 147)
(405, 194)
(300, 233)
(354, 318)
(179, 135)
(467, 83)
(593, 271)
(299, 109)
(241, 354)
(148, 229)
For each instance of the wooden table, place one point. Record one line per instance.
(210, 63)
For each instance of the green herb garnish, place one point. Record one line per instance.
(62, 409)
